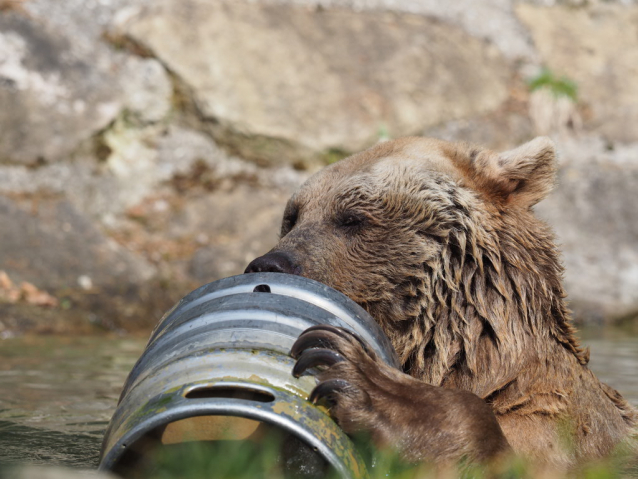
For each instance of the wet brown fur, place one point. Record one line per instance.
(438, 242)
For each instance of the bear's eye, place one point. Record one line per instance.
(290, 220)
(351, 221)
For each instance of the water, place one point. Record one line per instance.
(614, 359)
(58, 394)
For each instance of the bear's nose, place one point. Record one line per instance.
(275, 262)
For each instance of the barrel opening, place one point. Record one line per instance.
(262, 288)
(206, 445)
(230, 392)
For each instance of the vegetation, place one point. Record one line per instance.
(333, 155)
(559, 86)
(270, 459)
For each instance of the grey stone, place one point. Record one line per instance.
(136, 170)
(85, 21)
(181, 148)
(95, 193)
(49, 243)
(143, 161)
(578, 3)
(62, 83)
(593, 211)
(492, 20)
(52, 99)
(54, 472)
(237, 226)
(499, 130)
(281, 82)
(147, 89)
(595, 47)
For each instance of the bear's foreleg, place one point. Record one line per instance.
(420, 421)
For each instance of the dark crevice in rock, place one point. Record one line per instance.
(202, 177)
(95, 146)
(183, 98)
(260, 149)
(125, 43)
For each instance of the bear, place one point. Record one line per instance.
(438, 241)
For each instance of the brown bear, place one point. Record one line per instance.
(439, 243)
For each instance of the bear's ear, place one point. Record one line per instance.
(524, 175)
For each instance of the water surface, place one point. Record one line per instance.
(57, 394)
(614, 359)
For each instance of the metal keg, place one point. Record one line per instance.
(217, 367)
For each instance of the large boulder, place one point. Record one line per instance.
(283, 82)
(52, 97)
(596, 222)
(596, 47)
(491, 20)
(61, 274)
(238, 226)
(47, 242)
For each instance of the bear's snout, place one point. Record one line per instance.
(274, 262)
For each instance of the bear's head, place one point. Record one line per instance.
(438, 242)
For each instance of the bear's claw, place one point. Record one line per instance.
(327, 389)
(310, 358)
(330, 346)
(322, 334)
(311, 339)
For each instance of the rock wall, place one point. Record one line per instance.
(309, 82)
(147, 147)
